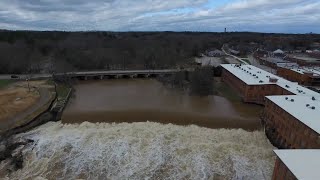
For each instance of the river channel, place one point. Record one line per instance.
(140, 100)
(108, 147)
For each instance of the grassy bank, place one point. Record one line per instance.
(5, 82)
(246, 60)
(62, 91)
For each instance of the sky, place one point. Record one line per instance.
(276, 16)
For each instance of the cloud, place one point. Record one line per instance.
(298, 16)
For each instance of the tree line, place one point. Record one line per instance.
(53, 51)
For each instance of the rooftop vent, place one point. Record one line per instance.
(260, 81)
(287, 98)
(313, 98)
(307, 105)
(313, 107)
(292, 100)
(287, 86)
(273, 80)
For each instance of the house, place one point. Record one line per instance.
(215, 53)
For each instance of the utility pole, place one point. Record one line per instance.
(28, 84)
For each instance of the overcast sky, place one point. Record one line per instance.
(285, 16)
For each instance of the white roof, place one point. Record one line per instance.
(305, 58)
(300, 108)
(303, 163)
(278, 51)
(302, 70)
(252, 75)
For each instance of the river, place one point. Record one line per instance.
(108, 147)
(140, 100)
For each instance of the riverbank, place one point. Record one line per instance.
(22, 101)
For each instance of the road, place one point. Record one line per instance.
(26, 76)
(239, 59)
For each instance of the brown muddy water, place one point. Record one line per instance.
(146, 150)
(140, 100)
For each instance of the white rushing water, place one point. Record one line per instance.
(144, 150)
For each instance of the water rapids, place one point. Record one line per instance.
(144, 150)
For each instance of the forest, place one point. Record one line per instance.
(54, 51)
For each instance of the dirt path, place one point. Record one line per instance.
(45, 95)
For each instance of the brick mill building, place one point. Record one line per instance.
(297, 164)
(291, 118)
(302, 75)
(253, 84)
(293, 122)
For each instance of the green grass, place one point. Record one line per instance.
(62, 91)
(246, 60)
(5, 82)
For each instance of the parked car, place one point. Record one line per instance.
(14, 77)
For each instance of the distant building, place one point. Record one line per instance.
(303, 75)
(272, 61)
(297, 164)
(215, 53)
(278, 51)
(305, 59)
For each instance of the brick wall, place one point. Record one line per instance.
(285, 131)
(294, 76)
(281, 172)
(252, 93)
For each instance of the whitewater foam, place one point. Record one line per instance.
(144, 150)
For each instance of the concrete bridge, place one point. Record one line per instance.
(118, 74)
(84, 75)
